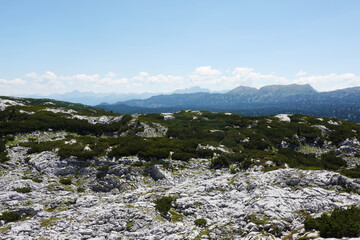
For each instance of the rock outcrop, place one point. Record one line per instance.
(119, 202)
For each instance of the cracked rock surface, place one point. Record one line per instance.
(119, 203)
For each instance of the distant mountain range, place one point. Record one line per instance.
(194, 89)
(91, 98)
(268, 100)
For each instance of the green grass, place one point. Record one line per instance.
(129, 225)
(175, 216)
(37, 179)
(66, 181)
(5, 228)
(46, 223)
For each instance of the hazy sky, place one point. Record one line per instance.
(159, 46)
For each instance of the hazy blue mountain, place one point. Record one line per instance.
(287, 90)
(243, 90)
(91, 98)
(273, 99)
(239, 97)
(194, 89)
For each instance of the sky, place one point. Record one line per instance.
(138, 46)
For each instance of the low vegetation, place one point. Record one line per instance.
(23, 190)
(220, 140)
(46, 223)
(66, 181)
(9, 216)
(164, 204)
(200, 222)
(225, 139)
(340, 223)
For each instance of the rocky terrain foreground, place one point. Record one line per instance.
(246, 205)
(73, 172)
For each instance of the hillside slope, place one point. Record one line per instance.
(74, 172)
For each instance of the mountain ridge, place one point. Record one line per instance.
(271, 89)
(273, 99)
(92, 98)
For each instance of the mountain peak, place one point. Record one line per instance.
(194, 89)
(288, 89)
(242, 89)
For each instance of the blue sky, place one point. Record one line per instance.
(159, 46)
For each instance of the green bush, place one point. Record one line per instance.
(341, 223)
(4, 157)
(128, 146)
(332, 162)
(227, 159)
(9, 216)
(183, 156)
(205, 153)
(104, 168)
(201, 222)
(164, 204)
(65, 181)
(220, 161)
(353, 173)
(23, 190)
(37, 179)
(297, 159)
(154, 153)
(14, 122)
(3, 153)
(258, 142)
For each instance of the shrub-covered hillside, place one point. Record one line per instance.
(293, 140)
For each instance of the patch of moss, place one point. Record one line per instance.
(65, 181)
(204, 232)
(5, 228)
(129, 225)
(50, 209)
(159, 218)
(200, 222)
(258, 221)
(233, 170)
(175, 216)
(27, 203)
(45, 223)
(37, 179)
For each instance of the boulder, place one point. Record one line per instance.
(155, 172)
